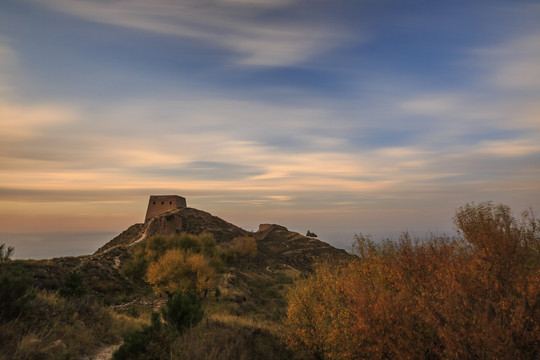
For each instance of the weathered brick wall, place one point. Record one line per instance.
(158, 204)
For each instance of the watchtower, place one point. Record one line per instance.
(159, 204)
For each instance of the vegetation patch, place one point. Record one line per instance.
(476, 297)
(53, 327)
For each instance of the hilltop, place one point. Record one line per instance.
(276, 244)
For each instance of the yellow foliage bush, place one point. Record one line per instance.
(177, 270)
(152, 249)
(475, 297)
(244, 246)
(204, 273)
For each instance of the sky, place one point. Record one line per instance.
(341, 117)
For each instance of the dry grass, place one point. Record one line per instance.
(234, 321)
(224, 337)
(56, 328)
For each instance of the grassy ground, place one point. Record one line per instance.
(52, 327)
(230, 337)
(243, 310)
(242, 316)
(244, 321)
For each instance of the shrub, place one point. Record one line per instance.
(135, 267)
(153, 342)
(209, 244)
(155, 247)
(178, 271)
(189, 243)
(72, 286)
(182, 311)
(476, 297)
(14, 295)
(244, 246)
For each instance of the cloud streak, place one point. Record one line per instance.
(236, 26)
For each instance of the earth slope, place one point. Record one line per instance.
(188, 220)
(277, 246)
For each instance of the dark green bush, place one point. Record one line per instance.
(14, 295)
(188, 242)
(209, 244)
(153, 342)
(135, 267)
(182, 311)
(72, 286)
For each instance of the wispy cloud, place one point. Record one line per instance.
(516, 64)
(511, 148)
(25, 121)
(8, 65)
(235, 25)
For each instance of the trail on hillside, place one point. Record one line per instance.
(103, 353)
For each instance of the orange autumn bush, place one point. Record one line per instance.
(477, 296)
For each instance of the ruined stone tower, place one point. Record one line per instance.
(159, 204)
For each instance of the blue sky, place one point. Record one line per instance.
(335, 116)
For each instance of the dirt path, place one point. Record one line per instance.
(104, 353)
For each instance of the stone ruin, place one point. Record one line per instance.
(159, 204)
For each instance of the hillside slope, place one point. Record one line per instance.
(277, 246)
(279, 251)
(243, 310)
(188, 220)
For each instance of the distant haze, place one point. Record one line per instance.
(50, 245)
(339, 117)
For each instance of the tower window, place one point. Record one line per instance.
(170, 202)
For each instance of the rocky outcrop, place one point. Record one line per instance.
(279, 247)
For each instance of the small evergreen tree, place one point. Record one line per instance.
(182, 311)
(153, 342)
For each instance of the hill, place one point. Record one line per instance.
(277, 245)
(189, 220)
(247, 301)
(278, 248)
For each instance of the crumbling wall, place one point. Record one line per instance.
(159, 204)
